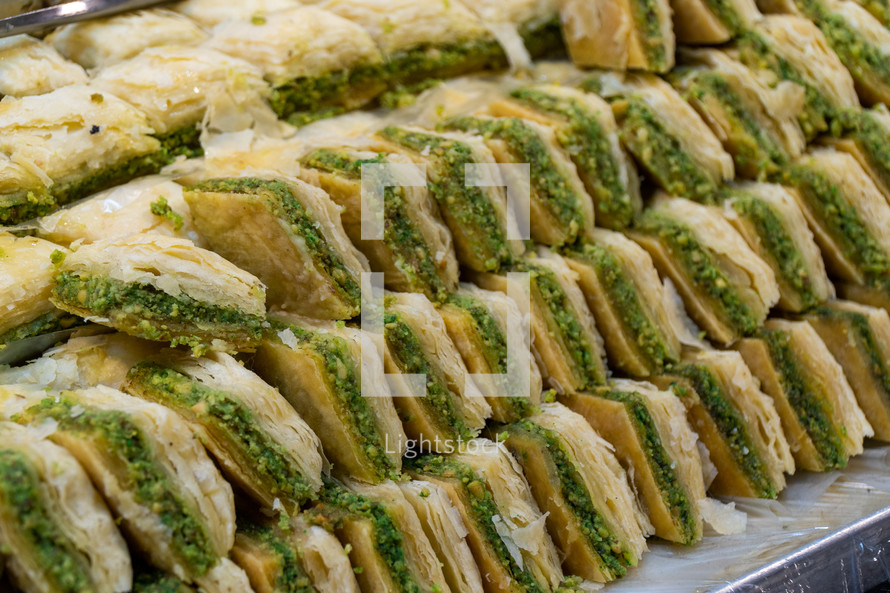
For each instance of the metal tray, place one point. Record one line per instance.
(854, 558)
(826, 533)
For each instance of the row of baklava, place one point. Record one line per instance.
(158, 78)
(265, 61)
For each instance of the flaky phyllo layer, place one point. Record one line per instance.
(321, 369)
(60, 544)
(572, 472)
(254, 433)
(165, 289)
(304, 242)
(415, 251)
(169, 495)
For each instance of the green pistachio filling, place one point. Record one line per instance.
(862, 336)
(866, 61)
(47, 323)
(593, 525)
(155, 315)
(298, 119)
(185, 141)
(584, 139)
(282, 203)
(813, 411)
(292, 577)
(229, 420)
(411, 253)
(751, 145)
(785, 258)
(663, 155)
(589, 370)
(32, 203)
(731, 425)
(571, 584)
(543, 37)
(405, 95)
(468, 206)
(647, 18)
(162, 208)
(154, 581)
(410, 357)
(725, 11)
(702, 268)
(22, 504)
(26, 204)
(340, 505)
(662, 466)
(640, 329)
(494, 348)
(755, 52)
(549, 186)
(68, 192)
(343, 376)
(315, 93)
(132, 458)
(872, 138)
(445, 60)
(481, 507)
(841, 219)
(489, 333)
(880, 9)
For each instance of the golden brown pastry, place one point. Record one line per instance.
(446, 405)
(705, 22)
(484, 228)
(288, 233)
(858, 336)
(560, 210)
(666, 135)
(259, 440)
(415, 250)
(735, 420)
(173, 504)
(770, 220)
(623, 291)
(656, 446)
(494, 340)
(848, 214)
(728, 290)
(165, 289)
(794, 49)
(820, 416)
(619, 34)
(566, 342)
(757, 124)
(56, 532)
(333, 376)
(599, 528)
(586, 129)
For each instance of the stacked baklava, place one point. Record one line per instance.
(361, 295)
